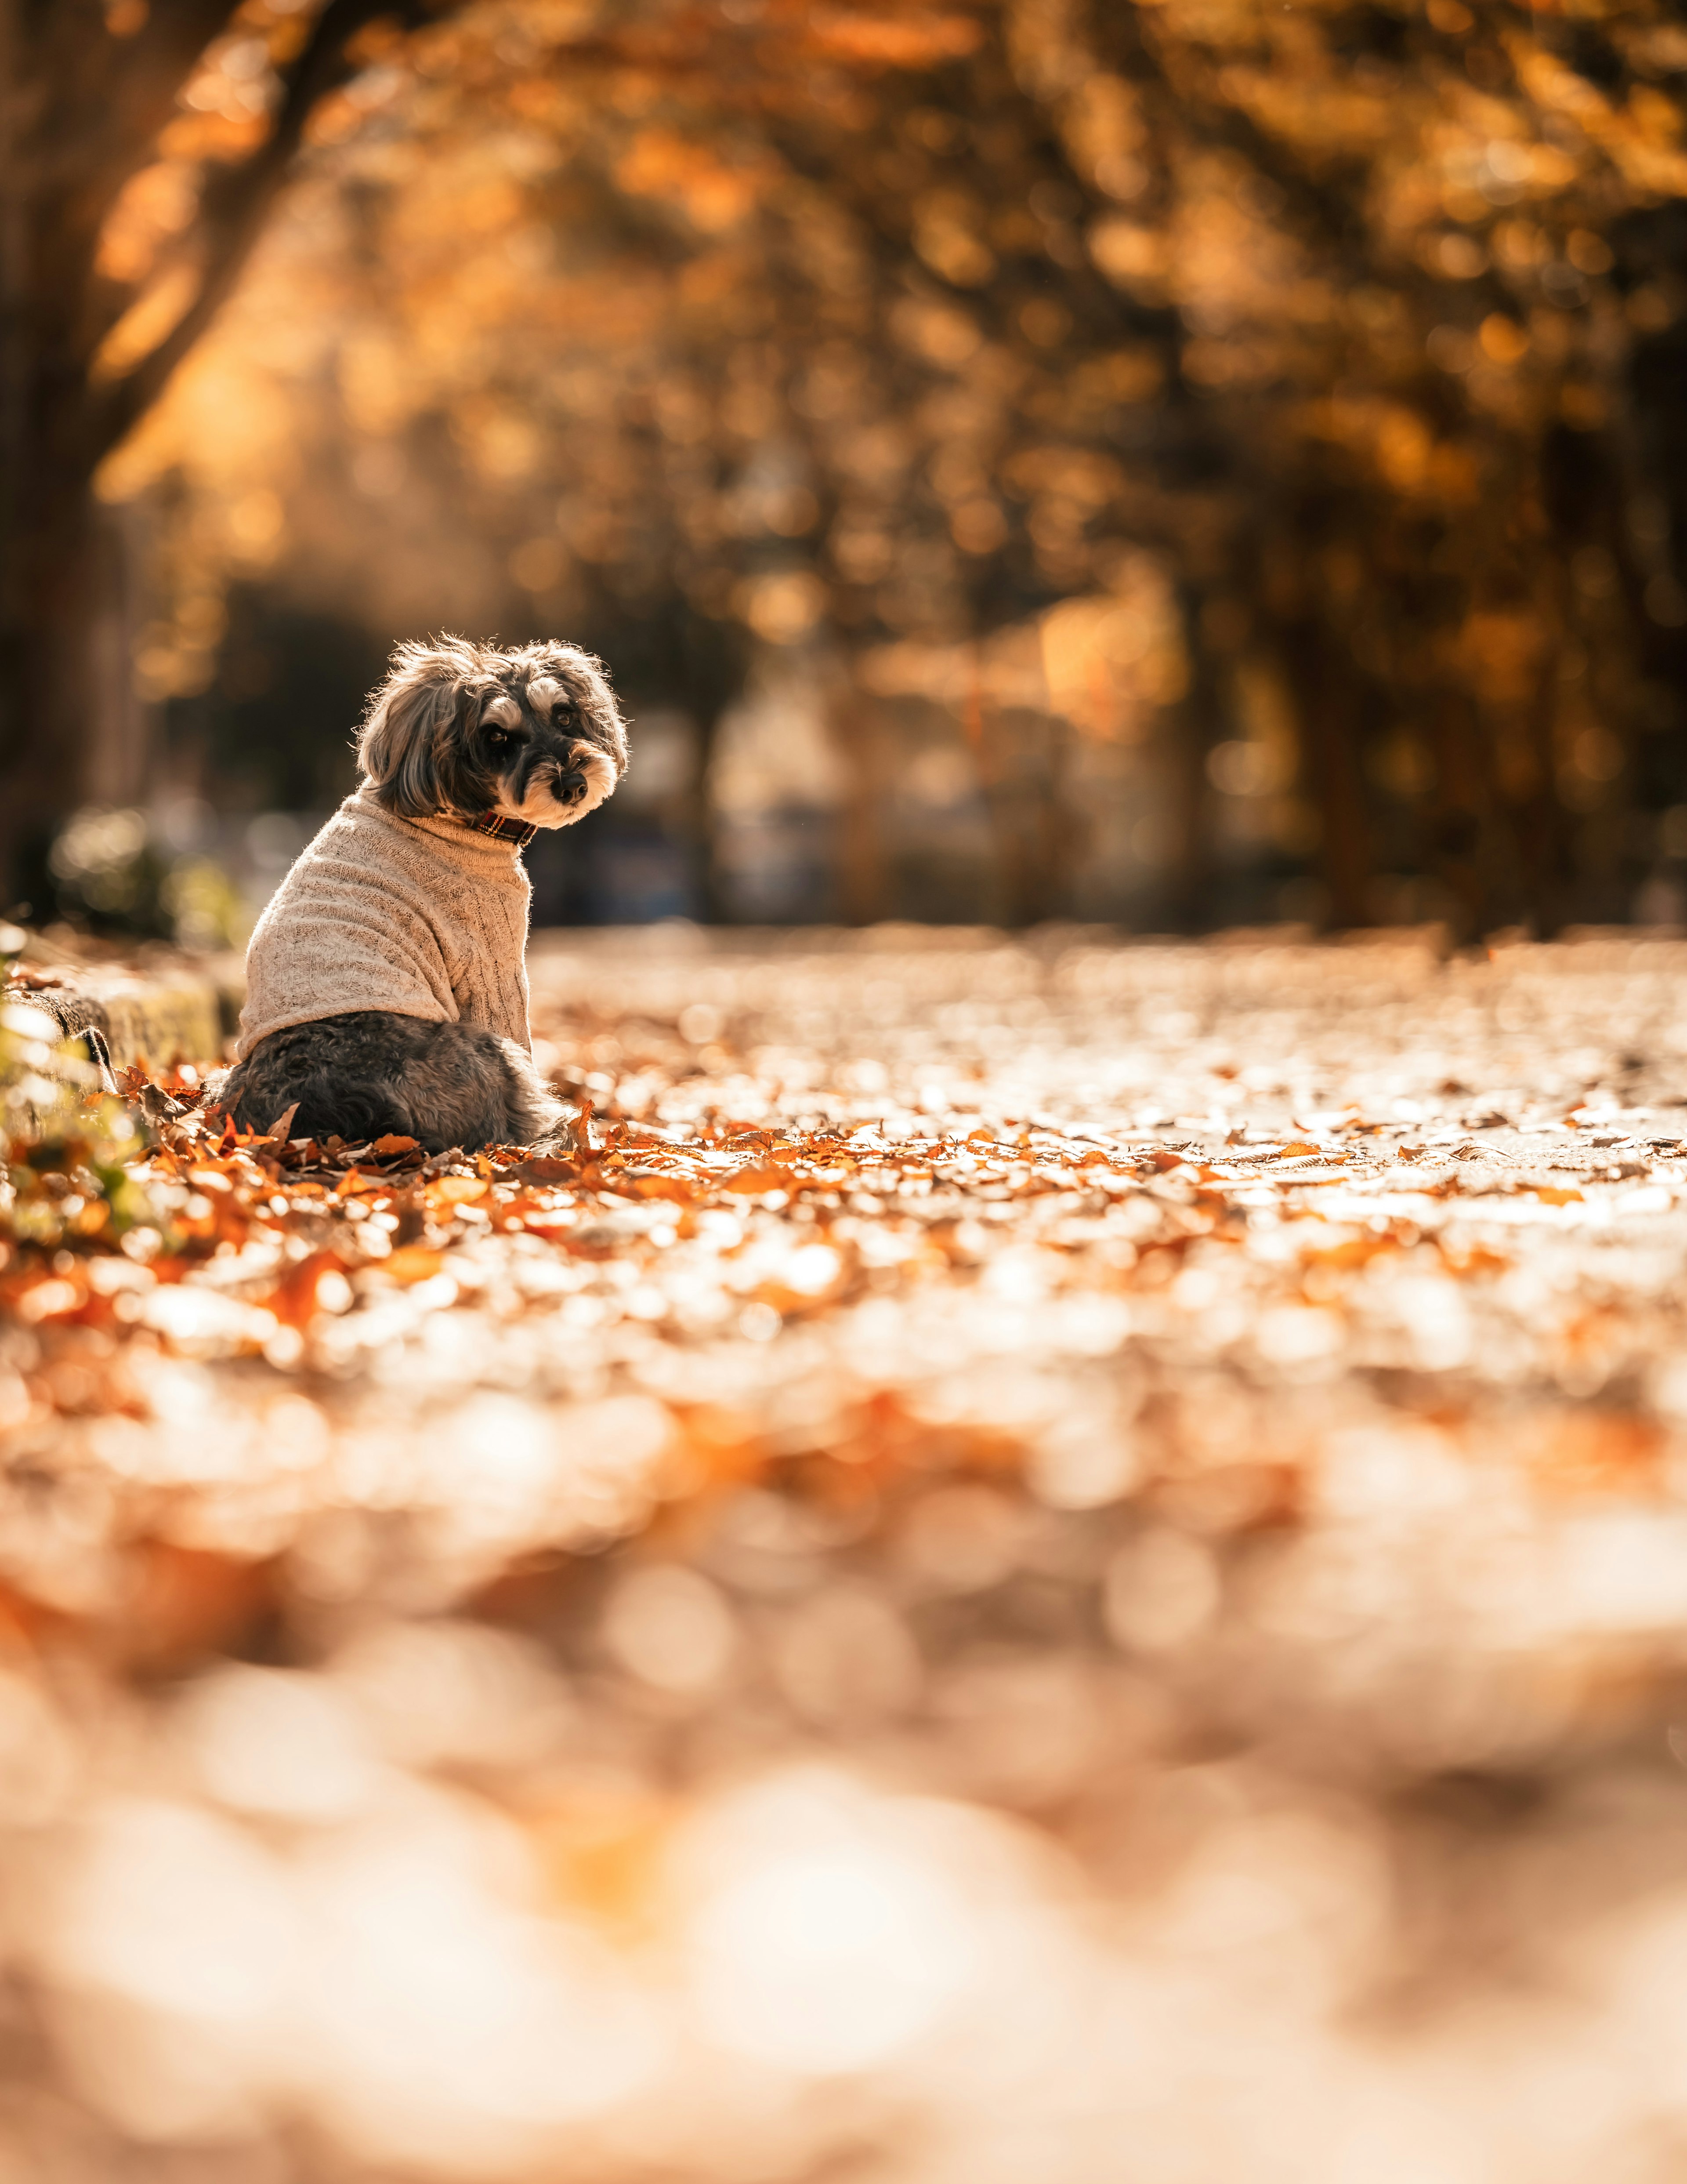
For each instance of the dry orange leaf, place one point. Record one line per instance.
(297, 1300)
(455, 1190)
(749, 1181)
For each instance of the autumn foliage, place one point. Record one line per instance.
(994, 1477)
(1213, 440)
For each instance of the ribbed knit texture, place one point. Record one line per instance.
(418, 915)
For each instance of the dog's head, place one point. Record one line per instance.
(463, 729)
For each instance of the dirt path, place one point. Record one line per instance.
(1048, 1560)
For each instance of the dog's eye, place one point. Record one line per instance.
(499, 739)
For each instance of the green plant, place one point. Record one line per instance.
(67, 1181)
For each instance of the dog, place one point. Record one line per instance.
(387, 989)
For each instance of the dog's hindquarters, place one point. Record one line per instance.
(371, 1073)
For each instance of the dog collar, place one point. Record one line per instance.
(517, 831)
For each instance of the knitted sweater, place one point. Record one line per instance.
(421, 916)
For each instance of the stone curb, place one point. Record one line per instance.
(153, 1021)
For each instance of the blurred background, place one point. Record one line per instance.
(1066, 1561)
(1179, 464)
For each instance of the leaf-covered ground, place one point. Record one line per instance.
(1052, 1560)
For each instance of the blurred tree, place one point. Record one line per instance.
(1280, 401)
(142, 143)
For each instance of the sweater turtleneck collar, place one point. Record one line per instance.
(460, 836)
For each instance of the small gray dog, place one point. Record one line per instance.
(387, 988)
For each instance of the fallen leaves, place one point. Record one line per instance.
(1144, 1442)
(679, 1240)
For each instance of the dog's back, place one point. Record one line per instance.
(421, 917)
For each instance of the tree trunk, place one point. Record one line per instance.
(1458, 826)
(81, 106)
(699, 826)
(1191, 889)
(1329, 704)
(79, 110)
(857, 732)
(1545, 845)
(53, 579)
(1046, 832)
(1023, 784)
(71, 729)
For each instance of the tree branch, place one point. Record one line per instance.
(83, 107)
(111, 98)
(238, 202)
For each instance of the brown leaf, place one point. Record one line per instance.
(446, 1192)
(295, 1302)
(544, 1167)
(186, 1601)
(749, 1181)
(158, 1106)
(659, 1183)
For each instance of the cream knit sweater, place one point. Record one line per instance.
(421, 916)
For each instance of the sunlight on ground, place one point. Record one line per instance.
(1040, 1558)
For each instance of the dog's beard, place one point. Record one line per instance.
(553, 798)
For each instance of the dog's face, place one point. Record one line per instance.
(464, 729)
(534, 742)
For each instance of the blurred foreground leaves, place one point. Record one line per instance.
(1028, 1539)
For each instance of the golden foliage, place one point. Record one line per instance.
(862, 328)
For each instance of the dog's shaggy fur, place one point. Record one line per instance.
(465, 729)
(458, 731)
(369, 1072)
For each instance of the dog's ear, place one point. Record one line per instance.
(415, 735)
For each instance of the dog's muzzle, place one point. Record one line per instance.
(578, 784)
